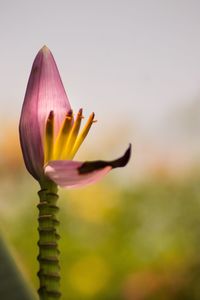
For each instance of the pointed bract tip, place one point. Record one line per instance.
(45, 49)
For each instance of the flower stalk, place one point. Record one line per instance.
(48, 258)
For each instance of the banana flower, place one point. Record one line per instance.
(50, 135)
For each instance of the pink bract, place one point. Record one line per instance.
(45, 92)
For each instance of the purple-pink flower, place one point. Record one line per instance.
(49, 133)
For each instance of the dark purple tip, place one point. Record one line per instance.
(70, 112)
(88, 166)
(51, 115)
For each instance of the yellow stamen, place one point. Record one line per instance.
(63, 135)
(49, 138)
(72, 136)
(82, 135)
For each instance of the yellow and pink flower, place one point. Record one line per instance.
(49, 133)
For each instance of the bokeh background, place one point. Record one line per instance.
(136, 64)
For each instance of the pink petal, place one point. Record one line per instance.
(65, 173)
(44, 93)
(72, 174)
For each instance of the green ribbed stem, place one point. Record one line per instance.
(49, 268)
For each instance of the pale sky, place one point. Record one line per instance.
(131, 62)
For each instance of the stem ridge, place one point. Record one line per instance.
(48, 258)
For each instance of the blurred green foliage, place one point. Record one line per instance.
(13, 285)
(133, 243)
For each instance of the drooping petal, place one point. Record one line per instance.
(72, 174)
(45, 93)
(90, 166)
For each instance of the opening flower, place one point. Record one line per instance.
(50, 134)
